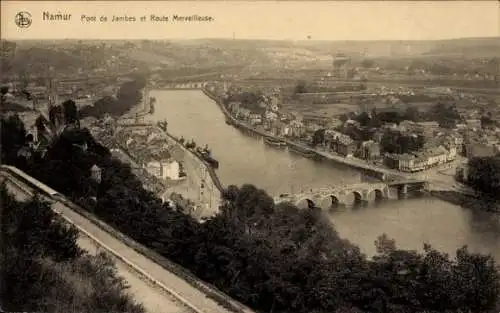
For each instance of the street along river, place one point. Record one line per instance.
(245, 159)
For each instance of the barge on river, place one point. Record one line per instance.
(275, 142)
(302, 151)
(206, 155)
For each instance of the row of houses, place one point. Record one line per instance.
(152, 152)
(271, 120)
(422, 160)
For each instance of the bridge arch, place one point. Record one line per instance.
(305, 203)
(353, 198)
(329, 202)
(375, 195)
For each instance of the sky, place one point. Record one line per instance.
(292, 20)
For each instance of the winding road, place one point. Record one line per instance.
(169, 293)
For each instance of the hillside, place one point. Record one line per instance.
(472, 46)
(255, 55)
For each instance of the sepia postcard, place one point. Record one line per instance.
(250, 156)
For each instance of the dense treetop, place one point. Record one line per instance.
(40, 258)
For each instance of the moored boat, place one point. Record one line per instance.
(206, 154)
(275, 142)
(210, 160)
(302, 151)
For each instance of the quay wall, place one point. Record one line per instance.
(201, 177)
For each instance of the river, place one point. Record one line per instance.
(245, 159)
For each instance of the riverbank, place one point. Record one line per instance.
(450, 194)
(379, 173)
(143, 111)
(208, 167)
(203, 184)
(246, 159)
(473, 202)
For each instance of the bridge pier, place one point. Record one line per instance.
(351, 199)
(404, 189)
(371, 197)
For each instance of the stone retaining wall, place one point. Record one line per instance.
(200, 176)
(211, 291)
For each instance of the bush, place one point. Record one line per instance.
(44, 270)
(484, 174)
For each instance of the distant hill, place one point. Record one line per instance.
(480, 47)
(467, 46)
(254, 54)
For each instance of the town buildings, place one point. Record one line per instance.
(370, 150)
(426, 143)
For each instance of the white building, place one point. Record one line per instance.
(171, 169)
(154, 168)
(164, 169)
(96, 173)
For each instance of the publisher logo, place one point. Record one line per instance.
(23, 19)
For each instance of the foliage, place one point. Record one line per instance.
(367, 63)
(395, 142)
(43, 269)
(12, 134)
(70, 111)
(284, 259)
(487, 121)
(274, 258)
(249, 100)
(484, 174)
(304, 87)
(129, 94)
(301, 87)
(318, 137)
(445, 115)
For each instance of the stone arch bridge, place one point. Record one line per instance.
(349, 195)
(184, 85)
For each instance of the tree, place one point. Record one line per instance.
(484, 174)
(4, 90)
(487, 120)
(24, 79)
(13, 138)
(40, 124)
(271, 257)
(301, 87)
(128, 95)
(40, 259)
(318, 137)
(478, 280)
(412, 114)
(367, 63)
(56, 115)
(70, 112)
(363, 119)
(445, 115)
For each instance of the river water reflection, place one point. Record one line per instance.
(245, 159)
